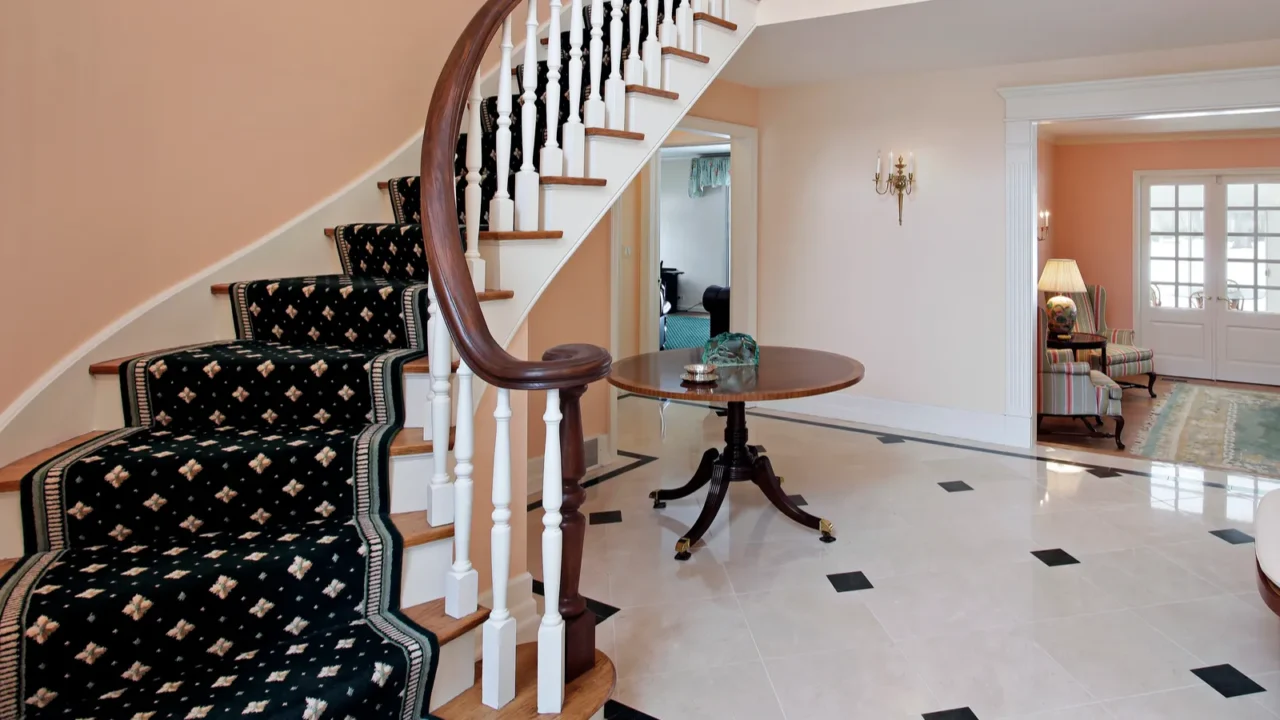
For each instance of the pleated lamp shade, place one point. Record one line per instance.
(1061, 276)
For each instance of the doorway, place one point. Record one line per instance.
(1209, 249)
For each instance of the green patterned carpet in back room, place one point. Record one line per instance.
(1216, 427)
(687, 331)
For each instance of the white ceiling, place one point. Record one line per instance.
(1216, 123)
(956, 34)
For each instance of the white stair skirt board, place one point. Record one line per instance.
(892, 415)
(456, 672)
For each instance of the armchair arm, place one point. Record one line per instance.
(1057, 356)
(1069, 368)
(1123, 337)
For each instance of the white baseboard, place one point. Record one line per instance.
(949, 422)
(522, 606)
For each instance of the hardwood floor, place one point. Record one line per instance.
(1137, 406)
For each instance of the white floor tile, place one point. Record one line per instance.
(1221, 630)
(872, 681)
(1194, 703)
(681, 637)
(737, 692)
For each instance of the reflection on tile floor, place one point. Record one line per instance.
(1056, 584)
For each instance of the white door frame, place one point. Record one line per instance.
(1025, 108)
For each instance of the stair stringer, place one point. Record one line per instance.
(529, 267)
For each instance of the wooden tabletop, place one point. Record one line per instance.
(783, 373)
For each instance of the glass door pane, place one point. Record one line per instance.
(1253, 247)
(1175, 223)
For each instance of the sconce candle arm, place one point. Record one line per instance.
(898, 182)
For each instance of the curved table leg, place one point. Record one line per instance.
(701, 477)
(715, 498)
(770, 484)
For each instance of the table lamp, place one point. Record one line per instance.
(1061, 277)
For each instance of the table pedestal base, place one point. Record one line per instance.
(738, 462)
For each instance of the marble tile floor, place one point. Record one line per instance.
(967, 581)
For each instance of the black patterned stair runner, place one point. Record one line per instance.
(230, 553)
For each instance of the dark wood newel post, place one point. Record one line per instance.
(580, 624)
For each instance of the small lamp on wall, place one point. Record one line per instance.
(1061, 277)
(899, 181)
(1044, 225)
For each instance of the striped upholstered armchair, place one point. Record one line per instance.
(1073, 389)
(1124, 359)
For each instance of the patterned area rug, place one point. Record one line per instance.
(1215, 427)
(229, 552)
(687, 331)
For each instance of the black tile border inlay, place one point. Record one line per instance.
(963, 713)
(798, 500)
(1104, 473)
(602, 611)
(640, 461)
(955, 486)
(1055, 557)
(849, 582)
(607, 517)
(1228, 681)
(1233, 536)
(614, 710)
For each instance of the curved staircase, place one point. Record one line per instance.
(269, 526)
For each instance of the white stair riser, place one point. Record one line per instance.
(456, 672)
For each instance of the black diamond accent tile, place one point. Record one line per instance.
(1055, 557)
(1103, 472)
(963, 713)
(891, 439)
(1228, 681)
(955, 486)
(798, 500)
(602, 611)
(850, 581)
(607, 517)
(1233, 536)
(614, 710)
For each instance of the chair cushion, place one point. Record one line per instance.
(1114, 391)
(1118, 354)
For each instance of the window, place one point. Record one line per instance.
(1176, 228)
(1253, 247)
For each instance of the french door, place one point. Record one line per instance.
(1210, 276)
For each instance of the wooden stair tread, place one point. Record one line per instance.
(686, 54)
(582, 698)
(431, 616)
(383, 185)
(405, 443)
(6, 564)
(11, 475)
(493, 235)
(655, 92)
(575, 181)
(414, 530)
(486, 296)
(709, 18)
(618, 134)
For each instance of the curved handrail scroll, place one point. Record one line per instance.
(566, 366)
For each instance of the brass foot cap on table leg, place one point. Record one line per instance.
(828, 531)
(682, 549)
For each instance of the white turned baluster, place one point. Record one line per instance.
(670, 36)
(527, 181)
(684, 26)
(462, 584)
(635, 65)
(699, 6)
(473, 196)
(498, 684)
(552, 161)
(653, 50)
(716, 8)
(615, 88)
(502, 209)
(440, 504)
(551, 632)
(575, 133)
(595, 108)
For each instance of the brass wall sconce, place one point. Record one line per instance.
(899, 182)
(1044, 225)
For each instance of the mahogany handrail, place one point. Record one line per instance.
(568, 365)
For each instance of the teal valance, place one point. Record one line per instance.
(708, 172)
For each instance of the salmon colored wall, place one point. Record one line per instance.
(1093, 194)
(1045, 162)
(143, 141)
(729, 102)
(574, 309)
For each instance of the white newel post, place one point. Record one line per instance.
(635, 64)
(670, 36)
(653, 50)
(502, 209)
(474, 197)
(551, 632)
(595, 109)
(498, 684)
(462, 584)
(684, 25)
(575, 133)
(527, 181)
(615, 88)
(552, 160)
(440, 504)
